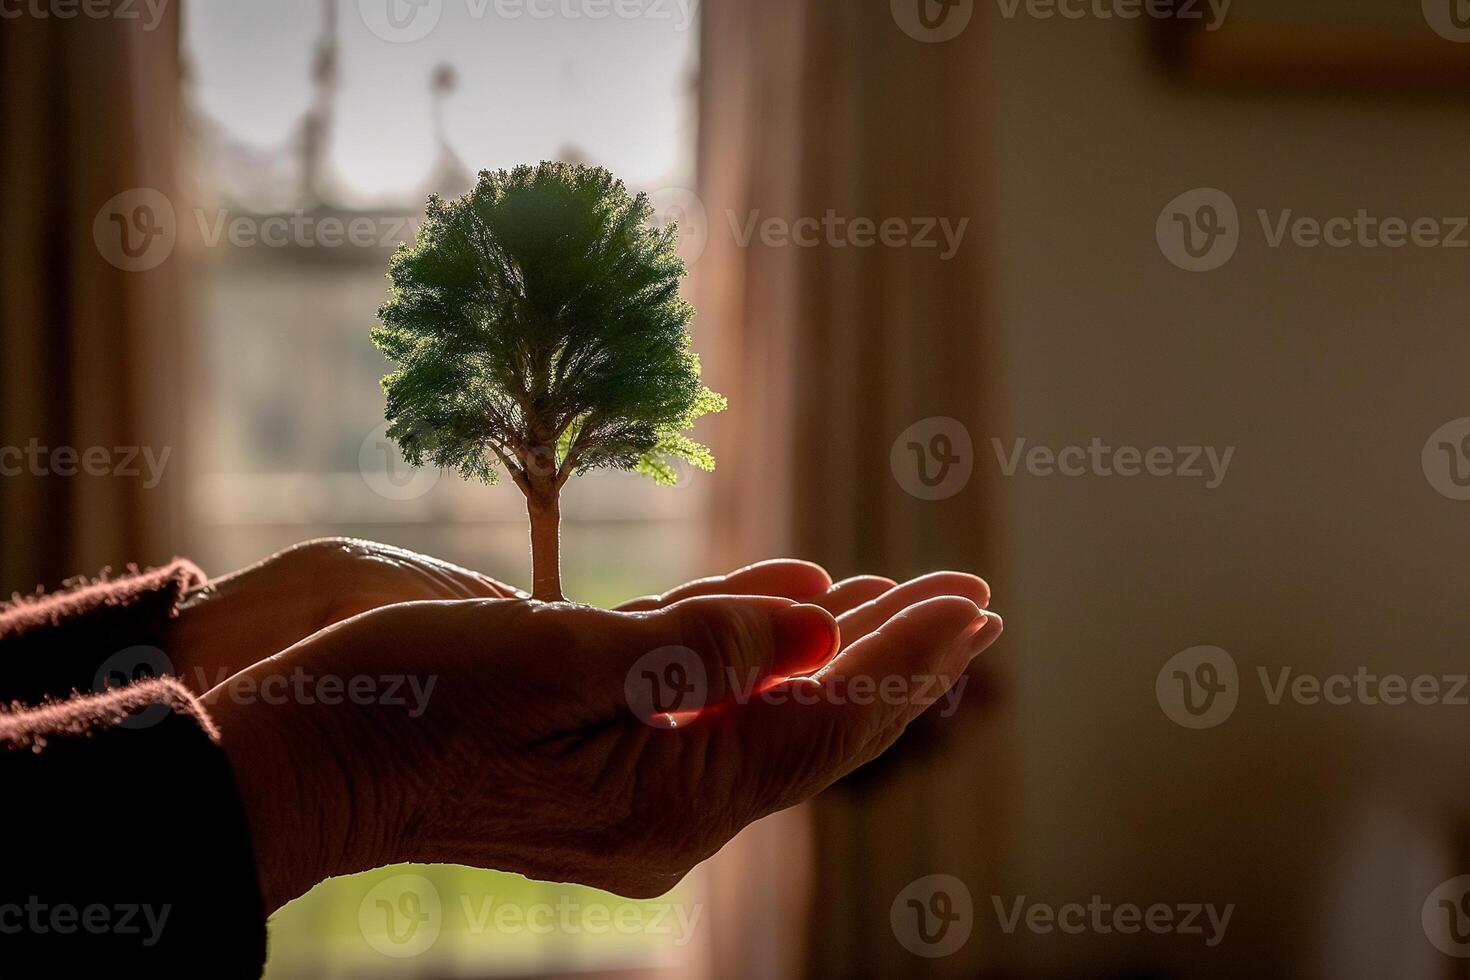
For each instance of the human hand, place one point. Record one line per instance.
(529, 756)
(248, 615)
(243, 617)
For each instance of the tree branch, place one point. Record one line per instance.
(516, 473)
(574, 451)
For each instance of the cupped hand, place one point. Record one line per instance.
(244, 617)
(241, 618)
(531, 748)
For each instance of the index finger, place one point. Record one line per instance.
(816, 730)
(786, 578)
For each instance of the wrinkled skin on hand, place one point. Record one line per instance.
(530, 758)
(239, 619)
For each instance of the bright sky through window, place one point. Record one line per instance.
(536, 78)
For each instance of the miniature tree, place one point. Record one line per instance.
(538, 329)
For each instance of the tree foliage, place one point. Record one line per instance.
(538, 328)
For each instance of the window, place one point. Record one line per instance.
(312, 142)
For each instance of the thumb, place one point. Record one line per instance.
(715, 648)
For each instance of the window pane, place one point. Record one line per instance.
(313, 144)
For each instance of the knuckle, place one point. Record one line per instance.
(726, 637)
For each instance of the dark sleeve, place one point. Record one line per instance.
(55, 644)
(123, 845)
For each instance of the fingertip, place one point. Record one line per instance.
(958, 583)
(788, 578)
(811, 575)
(989, 631)
(795, 563)
(944, 612)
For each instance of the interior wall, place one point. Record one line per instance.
(1324, 549)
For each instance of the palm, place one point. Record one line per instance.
(592, 792)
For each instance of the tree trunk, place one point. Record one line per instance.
(545, 512)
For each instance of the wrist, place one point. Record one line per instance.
(292, 787)
(225, 626)
(322, 783)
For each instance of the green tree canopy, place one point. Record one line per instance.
(539, 330)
